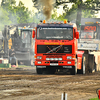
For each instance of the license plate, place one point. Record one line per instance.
(41, 66)
(67, 66)
(53, 64)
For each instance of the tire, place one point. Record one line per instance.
(76, 65)
(83, 65)
(39, 70)
(95, 66)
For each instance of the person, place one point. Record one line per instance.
(87, 36)
(12, 57)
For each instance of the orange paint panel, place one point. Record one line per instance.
(79, 63)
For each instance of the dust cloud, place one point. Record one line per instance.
(47, 6)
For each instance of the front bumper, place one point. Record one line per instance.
(55, 63)
(56, 67)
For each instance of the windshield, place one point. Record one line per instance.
(55, 33)
(86, 35)
(26, 38)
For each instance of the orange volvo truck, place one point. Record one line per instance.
(56, 47)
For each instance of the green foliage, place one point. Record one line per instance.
(62, 17)
(4, 19)
(71, 13)
(58, 17)
(88, 8)
(9, 7)
(88, 14)
(12, 14)
(94, 99)
(54, 15)
(22, 13)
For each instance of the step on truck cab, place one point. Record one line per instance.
(56, 47)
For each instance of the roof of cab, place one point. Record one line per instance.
(57, 25)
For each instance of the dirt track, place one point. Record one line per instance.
(25, 84)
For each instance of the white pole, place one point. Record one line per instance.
(64, 96)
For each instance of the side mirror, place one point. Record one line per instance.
(77, 35)
(33, 34)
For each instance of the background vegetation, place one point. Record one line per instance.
(10, 13)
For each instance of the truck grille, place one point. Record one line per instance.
(54, 49)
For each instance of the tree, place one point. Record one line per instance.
(6, 3)
(4, 19)
(57, 17)
(9, 6)
(22, 13)
(17, 14)
(77, 7)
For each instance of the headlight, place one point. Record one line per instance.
(39, 57)
(47, 59)
(69, 57)
(60, 58)
(56, 58)
(39, 62)
(51, 58)
(68, 62)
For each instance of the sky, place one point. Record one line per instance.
(27, 3)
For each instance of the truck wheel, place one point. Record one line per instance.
(39, 70)
(83, 65)
(91, 67)
(96, 67)
(76, 64)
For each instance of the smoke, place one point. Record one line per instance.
(47, 6)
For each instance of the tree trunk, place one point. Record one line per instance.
(79, 14)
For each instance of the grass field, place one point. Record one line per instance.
(95, 99)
